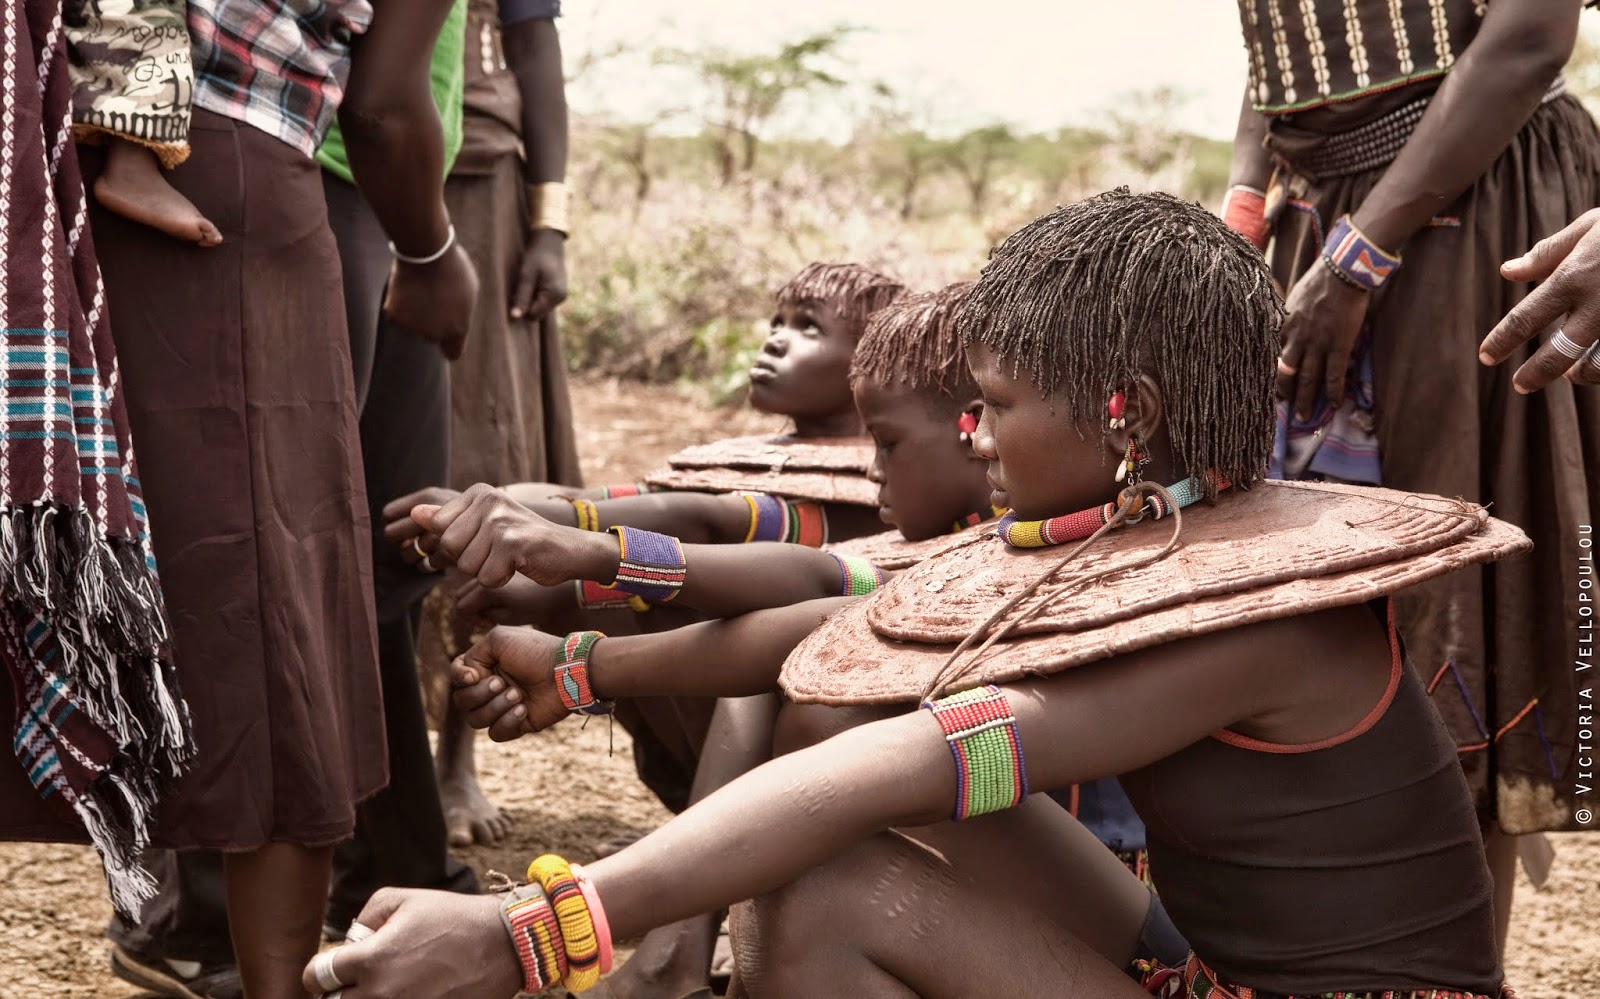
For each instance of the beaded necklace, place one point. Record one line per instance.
(974, 519)
(1076, 526)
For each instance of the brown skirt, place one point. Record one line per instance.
(236, 372)
(511, 412)
(1497, 645)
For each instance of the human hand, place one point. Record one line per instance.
(399, 529)
(1319, 334)
(443, 945)
(506, 683)
(542, 278)
(492, 537)
(434, 300)
(521, 601)
(1568, 263)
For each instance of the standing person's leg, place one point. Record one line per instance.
(511, 422)
(181, 941)
(405, 391)
(236, 374)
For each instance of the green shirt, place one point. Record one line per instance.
(446, 74)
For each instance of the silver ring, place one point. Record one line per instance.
(357, 933)
(322, 969)
(1591, 358)
(426, 565)
(1567, 347)
(1285, 368)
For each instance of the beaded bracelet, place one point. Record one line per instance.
(597, 912)
(536, 935)
(982, 734)
(649, 565)
(598, 596)
(623, 491)
(860, 576)
(1244, 210)
(578, 936)
(588, 514)
(1355, 258)
(774, 519)
(572, 675)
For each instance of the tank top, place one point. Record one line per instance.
(1353, 867)
(1309, 53)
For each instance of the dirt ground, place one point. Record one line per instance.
(566, 793)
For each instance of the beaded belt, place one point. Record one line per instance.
(1376, 143)
(1197, 981)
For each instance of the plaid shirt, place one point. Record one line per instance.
(279, 65)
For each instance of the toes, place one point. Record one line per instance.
(460, 835)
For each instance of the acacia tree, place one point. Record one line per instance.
(974, 155)
(747, 91)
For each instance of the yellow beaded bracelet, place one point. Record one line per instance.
(578, 935)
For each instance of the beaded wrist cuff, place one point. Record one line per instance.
(578, 936)
(588, 514)
(774, 519)
(598, 596)
(982, 734)
(1355, 258)
(651, 565)
(572, 675)
(1244, 210)
(860, 576)
(536, 935)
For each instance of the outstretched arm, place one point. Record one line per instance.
(505, 682)
(489, 536)
(766, 828)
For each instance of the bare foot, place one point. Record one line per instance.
(469, 817)
(132, 186)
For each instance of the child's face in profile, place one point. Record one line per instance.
(927, 478)
(1039, 464)
(803, 370)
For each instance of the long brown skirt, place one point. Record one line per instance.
(1496, 646)
(510, 408)
(236, 373)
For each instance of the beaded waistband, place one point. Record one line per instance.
(1374, 144)
(1197, 981)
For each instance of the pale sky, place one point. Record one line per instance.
(1039, 64)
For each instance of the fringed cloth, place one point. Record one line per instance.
(1194, 980)
(100, 729)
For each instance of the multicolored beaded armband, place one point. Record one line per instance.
(579, 939)
(536, 934)
(1355, 259)
(774, 519)
(651, 565)
(982, 734)
(860, 576)
(588, 514)
(1077, 526)
(572, 675)
(599, 596)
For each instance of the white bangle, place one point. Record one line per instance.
(449, 241)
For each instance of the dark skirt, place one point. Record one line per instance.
(511, 412)
(236, 373)
(1496, 645)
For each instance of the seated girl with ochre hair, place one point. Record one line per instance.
(1215, 641)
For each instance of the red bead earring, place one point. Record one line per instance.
(1114, 410)
(969, 426)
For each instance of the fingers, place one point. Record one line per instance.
(399, 509)
(465, 674)
(1288, 369)
(1546, 255)
(475, 600)
(1308, 381)
(353, 960)
(1335, 376)
(1562, 351)
(510, 726)
(493, 714)
(478, 697)
(527, 287)
(1543, 307)
(1586, 371)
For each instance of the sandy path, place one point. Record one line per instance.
(566, 793)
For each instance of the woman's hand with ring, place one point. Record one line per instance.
(1568, 264)
(1319, 335)
(491, 537)
(426, 943)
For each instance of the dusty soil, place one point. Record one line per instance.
(567, 793)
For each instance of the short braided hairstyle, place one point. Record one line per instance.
(1083, 300)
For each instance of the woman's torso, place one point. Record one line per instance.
(1352, 867)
